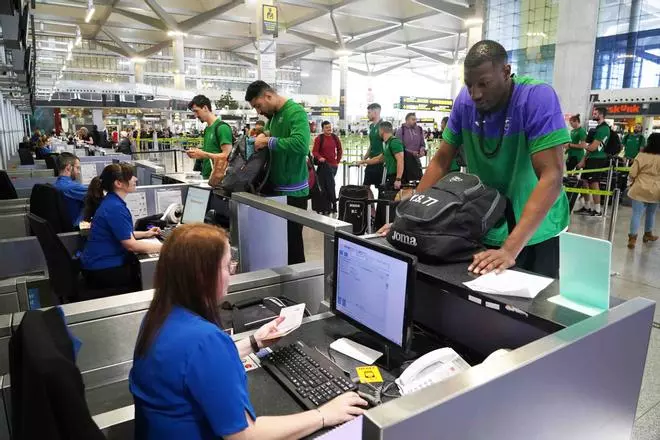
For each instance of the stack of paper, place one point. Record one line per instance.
(510, 283)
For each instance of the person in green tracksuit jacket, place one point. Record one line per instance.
(287, 137)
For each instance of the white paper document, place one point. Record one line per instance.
(510, 283)
(137, 204)
(165, 198)
(293, 317)
(356, 351)
(87, 172)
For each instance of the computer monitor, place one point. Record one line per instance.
(156, 179)
(197, 201)
(373, 288)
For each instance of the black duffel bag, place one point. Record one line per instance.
(447, 222)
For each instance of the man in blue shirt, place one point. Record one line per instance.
(68, 184)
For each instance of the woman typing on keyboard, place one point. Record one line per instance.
(106, 258)
(187, 379)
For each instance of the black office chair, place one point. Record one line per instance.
(63, 268)
(7, 190)
(25, 156)
(51, 163)
(48, 203)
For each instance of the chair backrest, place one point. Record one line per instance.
(63, 269)
(7, 190)
(48, 203)
(25, 156)
(51, 162)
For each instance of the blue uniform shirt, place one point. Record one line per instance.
(74, 197)
(111, 224)
(191, 384)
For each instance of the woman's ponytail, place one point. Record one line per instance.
(93, 198)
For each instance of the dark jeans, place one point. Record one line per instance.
(294, 233)
(122, 279)
(385, 192)
(541, 258)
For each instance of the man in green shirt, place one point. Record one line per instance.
(634, 143)
(287, 137)
(575, 149)
(596, 158)
(217, 136)
(373, 174)
(392, 156)
(513, 132)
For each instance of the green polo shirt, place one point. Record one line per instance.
(390, 148)
(577, 135)
(215, 135)
(602, 135)
(375, 142)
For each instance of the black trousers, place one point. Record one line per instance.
(541, 258)
(118, 280)
(294, 233)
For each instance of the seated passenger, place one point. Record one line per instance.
(106, 259)
(187, 379)
(68, 183)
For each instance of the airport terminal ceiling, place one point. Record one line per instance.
(103, 40)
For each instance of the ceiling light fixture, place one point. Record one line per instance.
(343, 52)
(90, 10)
(139, 60)
(78, 36)
(474, 21)
(176, 34)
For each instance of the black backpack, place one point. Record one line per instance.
(613, 146)
(447, 222)
(352, 205)
(246, 175)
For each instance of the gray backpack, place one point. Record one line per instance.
(447, 222)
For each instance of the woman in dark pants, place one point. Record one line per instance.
(106, 259)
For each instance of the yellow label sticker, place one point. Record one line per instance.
(369, 374)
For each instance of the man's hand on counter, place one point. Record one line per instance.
(385, 229)
(492, 260)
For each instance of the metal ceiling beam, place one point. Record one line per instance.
(202, 18)
(314, 39)
(155, 48)
(293, 56)
(429, 39)
(114, 49)
(446, 7)
(340, 37)
(104, 18)
(304, 4)
(144, 19)
(431, 55)
(320, 13)
(163, 15)
(369, 16)
(421, 16)
(118, 41)
(245, 58)
(389, 69)
(355, 44)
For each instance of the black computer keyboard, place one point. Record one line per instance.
(307, 375)
(165, 233)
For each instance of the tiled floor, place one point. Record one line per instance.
(637, 273)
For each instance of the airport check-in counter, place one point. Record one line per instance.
(569, 376)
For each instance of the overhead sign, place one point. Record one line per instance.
(627, 109)
(425, 104)
(270, 17)
(426, 120)
(327, 111)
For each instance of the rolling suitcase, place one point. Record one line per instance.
(353, 207)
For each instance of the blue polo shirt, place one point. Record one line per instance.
(74, 197)
(191, 384)
(111, 224)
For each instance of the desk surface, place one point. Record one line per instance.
(538, 311)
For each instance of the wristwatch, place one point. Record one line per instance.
(398, 179)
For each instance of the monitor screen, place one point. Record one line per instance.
(197, 201)
(156, 180)
(373, 286)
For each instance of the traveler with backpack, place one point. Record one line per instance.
(288, 139)
(412, 136)
(603, 145)
(218, 137)
(327, 148)
(513, 132)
